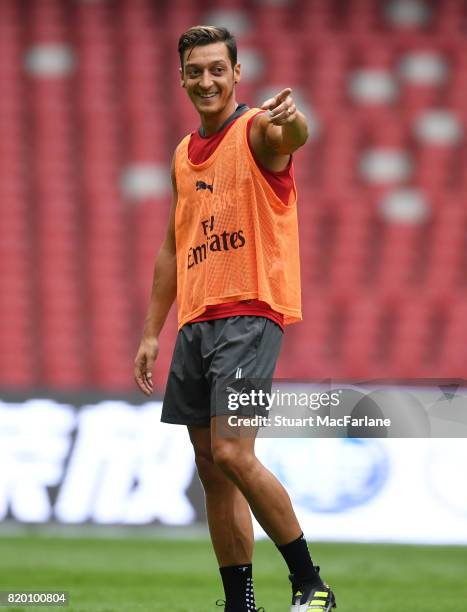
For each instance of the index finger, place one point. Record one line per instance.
(283, 95)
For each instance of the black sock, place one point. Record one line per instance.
(238, 588)
(297, 557)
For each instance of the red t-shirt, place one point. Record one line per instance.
(200, 148)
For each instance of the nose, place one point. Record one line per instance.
(205, 81)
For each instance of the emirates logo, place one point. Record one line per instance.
(224, 241)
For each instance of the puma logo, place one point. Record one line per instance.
(203, 185)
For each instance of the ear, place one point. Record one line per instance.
(237, 73)
(182, 81)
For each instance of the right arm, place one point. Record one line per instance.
(163, 294)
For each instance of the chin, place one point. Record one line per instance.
(210, 110)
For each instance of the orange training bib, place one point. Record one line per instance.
(236, 240)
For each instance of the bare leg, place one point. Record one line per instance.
(228, 514)
(267, 498)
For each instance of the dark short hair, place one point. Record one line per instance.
(206, 35)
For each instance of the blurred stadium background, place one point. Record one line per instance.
(90, 112)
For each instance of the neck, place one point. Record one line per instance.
(212, 122)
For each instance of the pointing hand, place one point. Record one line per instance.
(281, 108)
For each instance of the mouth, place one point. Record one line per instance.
(207, 96)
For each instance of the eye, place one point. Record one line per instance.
(218, 69)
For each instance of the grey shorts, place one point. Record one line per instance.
(213, 360)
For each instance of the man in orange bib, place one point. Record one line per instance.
(231, 258)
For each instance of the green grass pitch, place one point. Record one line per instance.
(151, 575)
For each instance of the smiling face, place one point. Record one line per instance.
(209, 79)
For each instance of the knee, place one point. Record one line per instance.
(213, 478)
(231, 459)
(206, 467)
